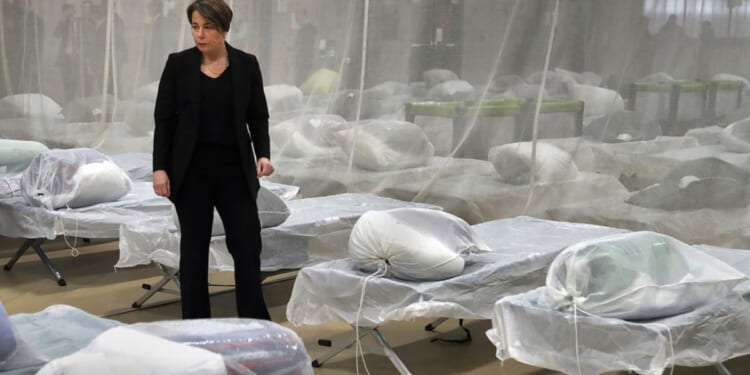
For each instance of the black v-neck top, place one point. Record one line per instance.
(216, 111)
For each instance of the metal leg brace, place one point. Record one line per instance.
(168, 275)
(36, 245)
(721, 369)
(364, 331)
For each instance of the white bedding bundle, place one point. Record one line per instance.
(73, 178)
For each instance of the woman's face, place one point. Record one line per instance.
(206, 35)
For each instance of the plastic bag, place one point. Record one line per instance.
(73, 178)
(638, 275)
(412, 243)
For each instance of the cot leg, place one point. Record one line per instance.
(167, 276)
(43, 256)
(35, 244)
(318, 362)
(390, 353)
(19, 253)
(721, 369)
(434, 324)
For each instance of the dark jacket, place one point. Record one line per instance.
(177, 112)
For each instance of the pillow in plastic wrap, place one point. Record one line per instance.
(623, 126)
(455, 90)
(7, 337)
(637, 275)
(736, 136)
(434, 77)
(73, 178)
(308, 135)
(702, 183)
(88, 109)
(381, 145)
(412, 243)
(125, 351)
(283, 98)
(147, 92)
(9, 110)
(323, 81)
(247, 345)
(15, 354)
(512, 162)
(15, 155)
(272, 211)
(33, 105)
(598, 101)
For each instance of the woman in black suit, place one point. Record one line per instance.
(209, 109)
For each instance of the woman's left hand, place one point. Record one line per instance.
(264, 167)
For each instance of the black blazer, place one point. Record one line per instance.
(177, 114)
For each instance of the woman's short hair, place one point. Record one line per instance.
(215, 11)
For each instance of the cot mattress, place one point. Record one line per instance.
(537, 335)
(522, 249)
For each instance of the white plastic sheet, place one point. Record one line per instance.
(21, 220)
(123, 351)
(317, 229)
(540, 336)
(634, 276)
(412, 243)
(522, 249)
(73, 178)
(248, 346)
(701, 226)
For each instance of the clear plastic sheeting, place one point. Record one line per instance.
(317, 229)
(121, 351)
(538, 335)
(73, 178)
(247, 346)
(412, 244)
(57, 331)
(636, 276)
(521, 250)
(609, 82)
(489, 198)
(702, 226)
(15, 156)
(22, 220)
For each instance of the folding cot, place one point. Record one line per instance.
(317, 229)
(525, 330)
(246, 345)
(522, 249)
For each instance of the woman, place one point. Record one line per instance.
(209, 108)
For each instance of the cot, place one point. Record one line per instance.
(522, 249)
(316, 230)
(259, 346)
(540, 336)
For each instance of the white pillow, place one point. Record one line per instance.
(34, 105)
(73, 178)
(736, 136)
(638, 275)
(382, 145)
(272, 211)
(434, 77)
(7, 338)
(512, 162)
(283, 98)
(306, 136)
(455, 90)
(122, 350)
(412, 243)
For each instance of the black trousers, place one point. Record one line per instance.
(212, 182)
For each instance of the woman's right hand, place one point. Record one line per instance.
(161, 183)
